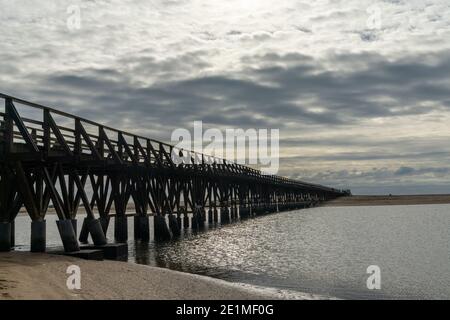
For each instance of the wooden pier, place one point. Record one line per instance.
(52, 158)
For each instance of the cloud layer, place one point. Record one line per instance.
(359, 89)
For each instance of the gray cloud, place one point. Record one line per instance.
(346, 98)
(273, 94)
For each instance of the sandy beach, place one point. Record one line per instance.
(26, 275)
(361, 200)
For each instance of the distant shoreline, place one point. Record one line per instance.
(356, 200)
(386, 200)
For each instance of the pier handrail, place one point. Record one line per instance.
(216, 161)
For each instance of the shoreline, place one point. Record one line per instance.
(387, 200)
(354, 200)
(42, 276)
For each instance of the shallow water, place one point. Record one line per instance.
(321, 251)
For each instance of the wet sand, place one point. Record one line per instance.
(388, 200)
(26, 275)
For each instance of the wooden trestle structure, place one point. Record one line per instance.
(50, 159)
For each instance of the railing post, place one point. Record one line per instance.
(78, 146)
(47, 136)
(101, 142)
(9, 127)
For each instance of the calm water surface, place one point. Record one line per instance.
(321, 251)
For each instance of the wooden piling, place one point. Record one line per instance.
(161, 229)
(38, 236)
(121, 228)
(173, 225)
(185, 221)
(210, 216)
(67, 234)
(5, 236)
(13, 233)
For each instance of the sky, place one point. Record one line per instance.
(360, 90)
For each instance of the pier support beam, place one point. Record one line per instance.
(194, 220)
(104, 221)
(234, 214)
(67, 234)
(5, 236)
(75, 226)
(179, 220)
(38, 236)
(162, 232)
(84, 233)
(121, 228)
(13, 234)
(185, 221)
(97, 234)
(141, 228)
(210, 216)
(95, 228)
(136, 226)
(224, 215)
(174, 226)
(201, 216)
(243, 212)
